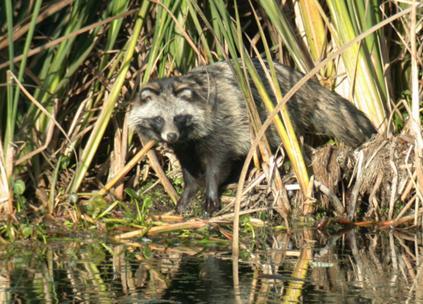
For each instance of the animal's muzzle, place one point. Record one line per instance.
(171, 137)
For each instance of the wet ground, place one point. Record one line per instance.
(306, 266)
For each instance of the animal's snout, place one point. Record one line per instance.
(172, 137)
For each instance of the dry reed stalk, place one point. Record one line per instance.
(122, 173)
(191, 224)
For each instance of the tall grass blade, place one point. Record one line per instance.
(10, 132)
(107, 109)
(369, 94)
(279, 20)
(9, 90)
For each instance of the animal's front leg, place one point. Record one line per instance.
(191, 185)
(217, 171)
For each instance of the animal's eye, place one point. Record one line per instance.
(185, 93)
(183, 120)
(158, 121)
(147, 94)
(146, 98)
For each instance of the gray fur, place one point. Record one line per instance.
(216, 128)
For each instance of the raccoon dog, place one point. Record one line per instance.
(203, 117)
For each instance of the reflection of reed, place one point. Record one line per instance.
(88, 273)
(380, 267)
(348, 268)
(299, 274)
(345, 267)
(268, 282)
(144, 278)
(5, 290)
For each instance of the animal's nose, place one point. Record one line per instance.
(172, 137)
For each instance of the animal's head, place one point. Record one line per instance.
(170, 110)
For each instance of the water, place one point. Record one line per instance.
(301, 267)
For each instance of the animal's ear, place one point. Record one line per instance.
(149, 91)
(183, 91)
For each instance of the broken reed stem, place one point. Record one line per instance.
(230, 216)
(122, 173)
(178, 224)
(192, 224)
(339, 208)
(154, 164)
(406, 207)
(167, 185)
(407, 218)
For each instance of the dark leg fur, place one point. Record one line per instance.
(192, 173)
(218, 168)
(190, 189)
(217, 172)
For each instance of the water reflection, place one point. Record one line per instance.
(305, 266)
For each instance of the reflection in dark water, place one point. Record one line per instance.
(304, 267)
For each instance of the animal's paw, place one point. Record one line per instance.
(211, 206)
(180, 207)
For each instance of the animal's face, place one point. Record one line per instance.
(170, 111)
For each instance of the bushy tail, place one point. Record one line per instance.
(315, 110)
(347, 123)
